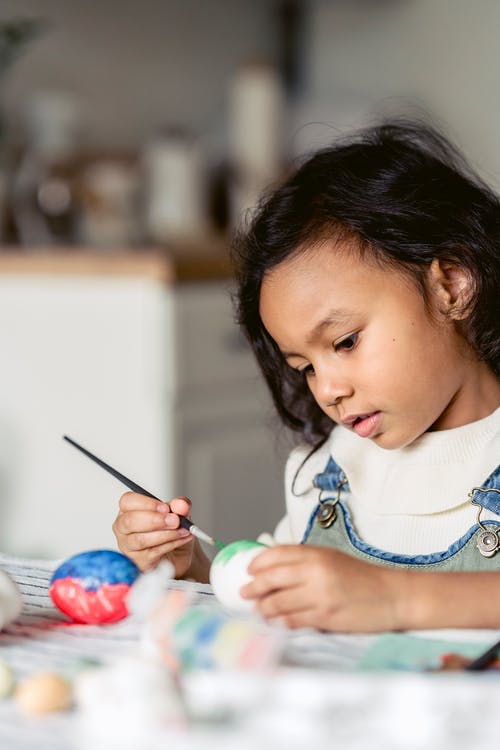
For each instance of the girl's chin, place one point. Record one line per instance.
(385, 441)
(393, 441)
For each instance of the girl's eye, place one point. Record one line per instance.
(346, 344)
(307, 370)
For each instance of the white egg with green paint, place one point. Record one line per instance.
(229, 572)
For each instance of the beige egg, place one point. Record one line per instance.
(44, 693)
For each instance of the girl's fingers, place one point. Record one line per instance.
(149, 558)
(306, 618)
(134, 501)
(157, 539)
(135, 521)
(283, 604)
(271, 579)
(181, 506)
(288, 554)
(148, 530)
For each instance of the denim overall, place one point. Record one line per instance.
(330, 525)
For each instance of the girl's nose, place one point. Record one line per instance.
(331, 388)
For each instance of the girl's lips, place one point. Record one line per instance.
(366, 426)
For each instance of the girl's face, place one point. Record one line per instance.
(374, 358)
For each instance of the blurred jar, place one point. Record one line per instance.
(109, 205)
(175, 188)
(42, 193)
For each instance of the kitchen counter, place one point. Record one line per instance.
(137, 356)
(175, 264)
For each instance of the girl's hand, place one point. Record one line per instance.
(305, 586)
(148, 531)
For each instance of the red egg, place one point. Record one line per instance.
(92, 587)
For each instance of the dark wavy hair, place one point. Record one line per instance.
(405, 196)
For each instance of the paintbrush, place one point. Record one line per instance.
(184, 522)
(484, 660)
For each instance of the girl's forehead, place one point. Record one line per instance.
(322, 265)
(304, 289)
(310, 289)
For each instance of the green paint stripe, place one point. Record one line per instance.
(230, 550)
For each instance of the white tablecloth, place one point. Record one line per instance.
(317, 696)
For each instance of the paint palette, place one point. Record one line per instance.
(92, 587)
(186, 636)
(229, 572)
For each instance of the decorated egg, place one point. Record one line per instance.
(229, 572)
(92, 587)
(10, 600)
(44, 693)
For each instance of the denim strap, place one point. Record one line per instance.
(331, 478)
(489, 500)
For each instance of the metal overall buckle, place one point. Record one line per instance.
(488, 541)
(327, 512)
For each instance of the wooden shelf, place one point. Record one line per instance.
(170, 265)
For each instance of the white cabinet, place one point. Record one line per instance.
(153, 378)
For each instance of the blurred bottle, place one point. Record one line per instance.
(43, 204)
(256, 134)
(175, 188)
(15, 35)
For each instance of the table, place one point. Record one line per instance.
(317, 695)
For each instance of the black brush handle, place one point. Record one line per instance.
(184, 522)
(484, 661)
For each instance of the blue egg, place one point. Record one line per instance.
(92, 587)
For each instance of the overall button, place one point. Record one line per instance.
(326, 515)
(488, 543)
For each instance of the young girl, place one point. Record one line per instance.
(368, 287)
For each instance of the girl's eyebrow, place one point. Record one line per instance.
(336, 317)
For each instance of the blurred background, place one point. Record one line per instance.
(134, 139)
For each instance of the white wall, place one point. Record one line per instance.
(139, 65)
(441, 55)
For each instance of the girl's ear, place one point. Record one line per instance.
(452, 286)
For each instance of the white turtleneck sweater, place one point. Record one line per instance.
(411, 500)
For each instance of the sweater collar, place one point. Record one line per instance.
(433, 474)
